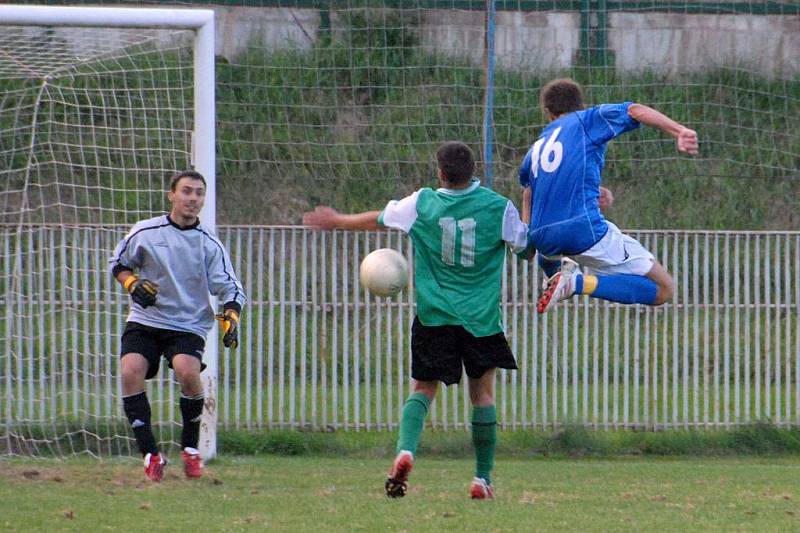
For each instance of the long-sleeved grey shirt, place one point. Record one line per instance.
(188, 264)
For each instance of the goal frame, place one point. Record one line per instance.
(203, 152)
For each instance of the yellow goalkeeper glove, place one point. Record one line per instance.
(142, 291)
(229, 322)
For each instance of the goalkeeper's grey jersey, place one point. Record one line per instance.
(188, 264)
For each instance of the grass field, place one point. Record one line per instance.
(345, 494)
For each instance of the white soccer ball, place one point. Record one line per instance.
(384, 272)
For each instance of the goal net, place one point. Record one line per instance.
(97, 110)
(360, 93)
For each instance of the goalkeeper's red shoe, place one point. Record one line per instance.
(192, 462)
(396, 484)
(481, 490)
(154, 466)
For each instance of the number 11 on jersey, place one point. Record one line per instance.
(449, 227)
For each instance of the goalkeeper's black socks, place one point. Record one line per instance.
(137, 409)
(192, 410)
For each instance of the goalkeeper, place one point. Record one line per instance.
(169, 265)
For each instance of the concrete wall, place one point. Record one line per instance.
(664, 42)
(679, 42)
(529, 40)
(239, 27)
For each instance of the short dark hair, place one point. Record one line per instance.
(561, 96)
(173, 183)
(456, 161)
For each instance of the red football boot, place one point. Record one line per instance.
(192, 462)
(559, 287)
(154, 467)
(396, 484)
(481, 490)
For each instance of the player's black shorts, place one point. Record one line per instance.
(437, 353)
(152, 343)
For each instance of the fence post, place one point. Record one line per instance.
(488, 101)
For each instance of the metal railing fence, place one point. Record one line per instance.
(318, 352)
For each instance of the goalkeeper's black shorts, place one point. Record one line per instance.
(152, 343)
(437, 353)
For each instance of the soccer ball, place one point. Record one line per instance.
(384, 272)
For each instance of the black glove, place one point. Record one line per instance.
(142, 291)
(229, 322)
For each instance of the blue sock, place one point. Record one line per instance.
(625, 289)
(549, 267)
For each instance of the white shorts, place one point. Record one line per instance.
(616, 253)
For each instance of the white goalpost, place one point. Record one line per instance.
(98, 106)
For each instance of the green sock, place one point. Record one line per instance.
(484, 438)
(412, 422)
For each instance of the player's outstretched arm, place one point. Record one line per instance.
(324, 217)
(685, 137)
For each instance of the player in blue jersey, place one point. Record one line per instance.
(169, 265)
(562, 198)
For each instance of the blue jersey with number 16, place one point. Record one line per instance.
(563, 169)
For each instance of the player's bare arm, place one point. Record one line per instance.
(526, 205)
(685, 137)
(324, 217)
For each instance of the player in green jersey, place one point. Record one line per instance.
(460, 232)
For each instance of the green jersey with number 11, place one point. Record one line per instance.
(459, 237)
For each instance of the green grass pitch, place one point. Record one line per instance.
(307, 493)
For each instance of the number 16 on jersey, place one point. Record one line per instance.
(548, 158)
